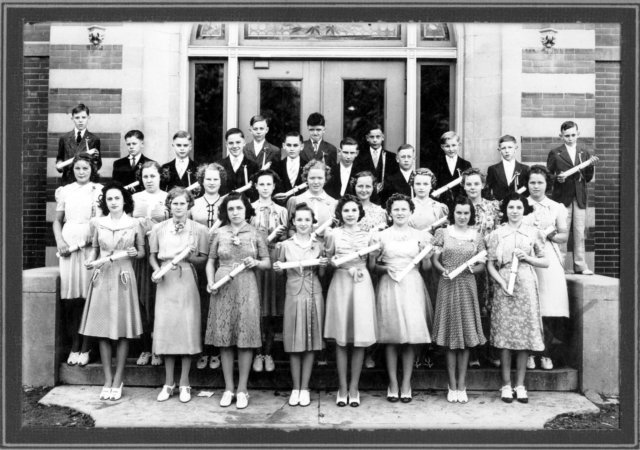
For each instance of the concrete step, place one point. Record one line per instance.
(324, 377)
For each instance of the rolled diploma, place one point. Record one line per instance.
(162, 271)
(355, 255)
(446, 187)
(246, 187)
(228, 277)
(384, 160)
(513, 274)
(547, 231)
(438, 222)
(246, 175)
(462, 267)
(75, 248)
(122, 254)
(301, 263)
(274, 234)
(86, 142)
(135, 184)
(295, 189)
(215, 226)
(326, 224)
(521, 189)
(65, 163)
(574, 169)
(403, 273)
(193, 186)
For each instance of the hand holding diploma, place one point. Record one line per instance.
(72, 248)
(437, 223)
(158, 274)
(320, 230)
(338, 261)
(290, 192)
(562, 176)
(121, 254)
(275, 233)
(479, 257)
(213, 287)
(132, 186)
(513, 272)
(446, 187)
(416, 260)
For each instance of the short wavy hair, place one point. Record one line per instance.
(316, 164)
(202, 169)
(364, 173)
(266, 172)
(303, 206)
(462, 200)
(473, 171)
(222, 209)
(425, 172)
(539, 169)
(147, 165)
(347, 198)
(514, 196)
(399, 198)
(177, 192)
(95, 176)
(126, 197)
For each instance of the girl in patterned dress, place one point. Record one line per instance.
(303, 308)
(351, 311)
(112, 311)
(516, 324)
(176, 330)
(234, 310)
(76, 204)
(457, 325)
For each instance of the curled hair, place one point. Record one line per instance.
(348, 198)
(473, 171)
(139, 135)
(462, 200)
(449, 135)
(399, 198)
(222, 209)
(303, 207)
(266, 172)
(147, 165)
(539, 169)
(316, 164)
(177, 192)
(315, 119)
(88, 159)
(514, 196)
(127, 198)
(202, 170)
(365, 173)
(425, 172)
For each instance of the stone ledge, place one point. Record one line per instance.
(41, 279)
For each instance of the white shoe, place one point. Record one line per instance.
(166, 392)
(546, 363)
(521, 394)
(506, 393)
(462, 396)
(242, 400)
(72, 360)
(227, 399)
(144, 359)
(452, 396)
(116, 393)
(105, 394)
(214, 362)
(269, 365)
(83, 358)
(202, 362)
(305, 399)
(531, 362)
(294, 398)
(369, 363)
(185, 393)
(258, 363)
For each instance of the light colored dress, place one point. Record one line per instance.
(176, 329)
(112, 310)
(270, 284)
(304, 305)
(351, 310)
(426, 212)
(80, 204)
(375, 218)
(204, 212)
(403, 308)
(234, 311)
(516, 323)
(554, 299)
(323, 205)
(457, 319)
(146, 208)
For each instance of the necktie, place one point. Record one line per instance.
(210, 214)
(79, 137)
(291, 172)
(315, 150)
(376, 159)
(132, 161)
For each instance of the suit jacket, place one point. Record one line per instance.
(171, 178)
(364, 161)
(329, 151)
(69, 148)
(392, 184)
(236, 179)
(125, 174)
(443, 177)
(497, 184)
(269, 153)
(574, 187)
(280, 167)
(333, 187)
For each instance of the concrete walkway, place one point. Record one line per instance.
(268, 409)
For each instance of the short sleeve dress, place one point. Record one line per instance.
(403, 308)
(457, 322)
(554, 299)
(351, 309)
(426, 212)
(112, 310)
(176, 329)
(516, 323)
(146, 209)
(80, 204)
(303, 305)
(234, 311)
(270, 284)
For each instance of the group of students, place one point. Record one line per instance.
(193, 274)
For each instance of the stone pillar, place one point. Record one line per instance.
(40, 325)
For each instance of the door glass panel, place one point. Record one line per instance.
(434, 110)
(208, 112)
(363, 104)
(280, 103)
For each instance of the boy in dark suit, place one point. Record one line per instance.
(76, 141)
(316, 147)
(399, 181)
(125, 169)
(239, 169)
(181, 171)
(290, 168)
(259, 150)
(572, 191)
(508, 175)
(449, 167)
(375, 159)
(339, 182)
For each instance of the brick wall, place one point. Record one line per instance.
(568, 60)
(83, 57)
(558, 105)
